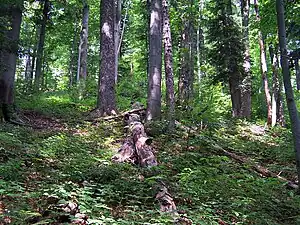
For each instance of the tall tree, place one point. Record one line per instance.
(246, 82)
(106, 104)
(40, 48)
(263, 66)
(12, 13)
(293, 112)
(277, 101)
(83, 45)
(117, 34)
(168, 59)
(226, 52)
(155, 61)
(186, 77)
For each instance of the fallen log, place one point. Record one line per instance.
(136, 148)
(165, 199)
(118, 116)
(254, 166)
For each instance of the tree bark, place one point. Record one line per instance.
(263, 67)
(168, 60)
(155, 61)
(293, 112)
(8, 60)
(246, 82)
(83, 46)
(277, 109)
(200, 44)
(117, 34)
(297, 73)
(40, 50)
(186, 77)
(136, 148)
(106, 94)
(72, 54)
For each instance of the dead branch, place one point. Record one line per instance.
(254, 166)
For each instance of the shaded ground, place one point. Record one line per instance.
(58, 161)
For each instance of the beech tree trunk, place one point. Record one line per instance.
(297, 73)
(106, 94)
(246, 82)
(263, 67)
(293, 112)
(40, 50)
(83, 45)
(155, 61)
(8, 58)
(168, 58)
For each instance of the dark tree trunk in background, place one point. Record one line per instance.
(155, 61)
(246, 83)
(263, 67)
(168, 58)
(297, 73)
(235, 93)
(186, 77)
(106, 98)
(293, 112)
(277, 104)
(8, 59)
(40, 50)
(235, 76)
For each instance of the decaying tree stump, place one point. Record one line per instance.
(136, 147)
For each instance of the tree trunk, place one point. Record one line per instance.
(168, 58)
(72, 54)
(263, 67)
(40, 49)
(83, 45)
(246, 83)
(293, 112)
(82, 66)
(186, 77)
(277, 105)
(297, 73)
(106, 94)
(27, 67)
(117, 34)
(8, 60)
(155, 61)
(200, 44)
(235, 93)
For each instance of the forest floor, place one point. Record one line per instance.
(63, 161)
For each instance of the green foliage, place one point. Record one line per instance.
(226, 47)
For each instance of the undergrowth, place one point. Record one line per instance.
(73, 164)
